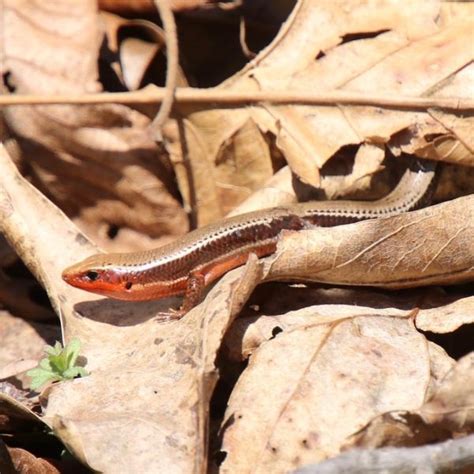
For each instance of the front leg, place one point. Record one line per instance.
(192, 296)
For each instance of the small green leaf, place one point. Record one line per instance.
(45, 364)
(58, 365)
(72, 351)
(39, 377)
(74, 372)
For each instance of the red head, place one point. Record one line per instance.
(96, 275)
(105, 275)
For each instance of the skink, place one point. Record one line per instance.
(191, 263)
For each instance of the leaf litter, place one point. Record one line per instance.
(331, 371)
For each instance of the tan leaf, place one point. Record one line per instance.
(277, 191)
(137, 44)
(448, 317)
(308, 389)
(219, 160)
(17, 412)
(429, 246)
(243, 164)
(446, 137)
(22, 343)
(289, 308)
(156, 377)
(448, 412)
(317, 375)
(136, 56)
(97, 158)
(452, 406)
(189, 154)
(402, 51)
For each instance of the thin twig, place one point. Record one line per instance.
(218, 96)
(223, 97)
(172, 59)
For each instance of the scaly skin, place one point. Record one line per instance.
(200, 257)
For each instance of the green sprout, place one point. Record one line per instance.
(59, 364)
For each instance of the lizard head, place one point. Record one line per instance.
(96, 275)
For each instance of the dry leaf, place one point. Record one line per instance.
(396, 52)
(444, 318)
(434, 245)
(277, 191)
(22, 342)
(129, 353)
(306, 391)
(166, 375)
(18, 414)
(286, 309)
(211, 137)
(25, 462)
(317, 375)
(448, 412)
(433, 140)
(136, 45)
(98, 161)
(136, 56)
(452, 406)
(155, 377)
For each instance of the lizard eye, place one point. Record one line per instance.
(92, 275)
